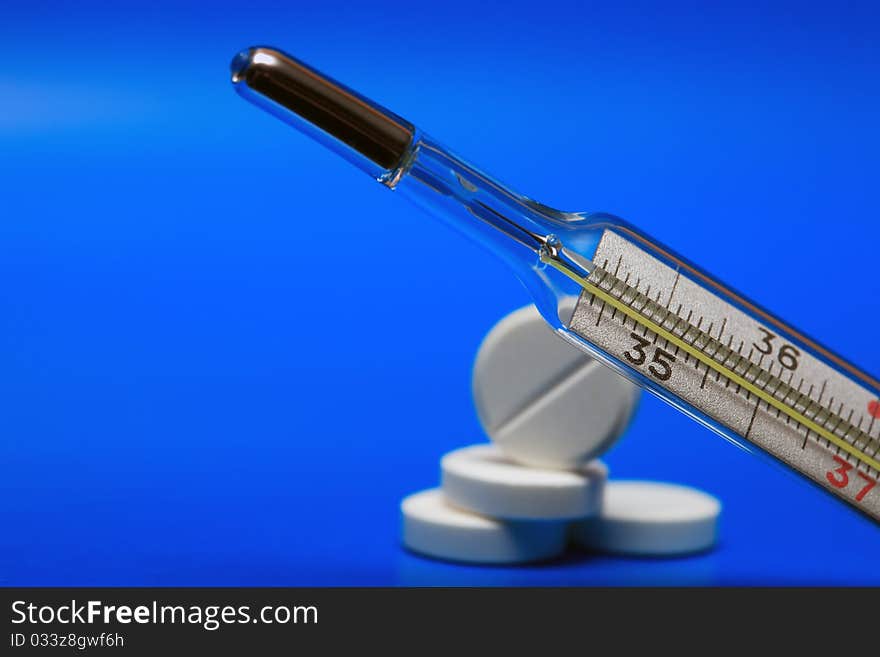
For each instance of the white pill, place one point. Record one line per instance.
(433, 527)
(542, 400)
(484, 480)
(651, 519)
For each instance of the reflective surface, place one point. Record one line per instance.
(265, 75)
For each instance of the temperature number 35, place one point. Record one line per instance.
(660, 366)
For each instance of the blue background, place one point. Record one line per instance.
(190, 395)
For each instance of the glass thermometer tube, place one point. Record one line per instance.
(644, 311)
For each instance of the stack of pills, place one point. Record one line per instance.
(550, 411)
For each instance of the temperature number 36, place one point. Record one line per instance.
(660, 366)
(786, 355)
(839, 478)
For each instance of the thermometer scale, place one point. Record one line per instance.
(734, 369)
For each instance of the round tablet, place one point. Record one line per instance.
(484, 480)
(651, 519)
(433, 527)
(542, 400)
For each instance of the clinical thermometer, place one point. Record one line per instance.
(649, 314)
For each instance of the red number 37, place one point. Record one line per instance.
(839, 478)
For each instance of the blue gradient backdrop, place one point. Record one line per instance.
(191, 396)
